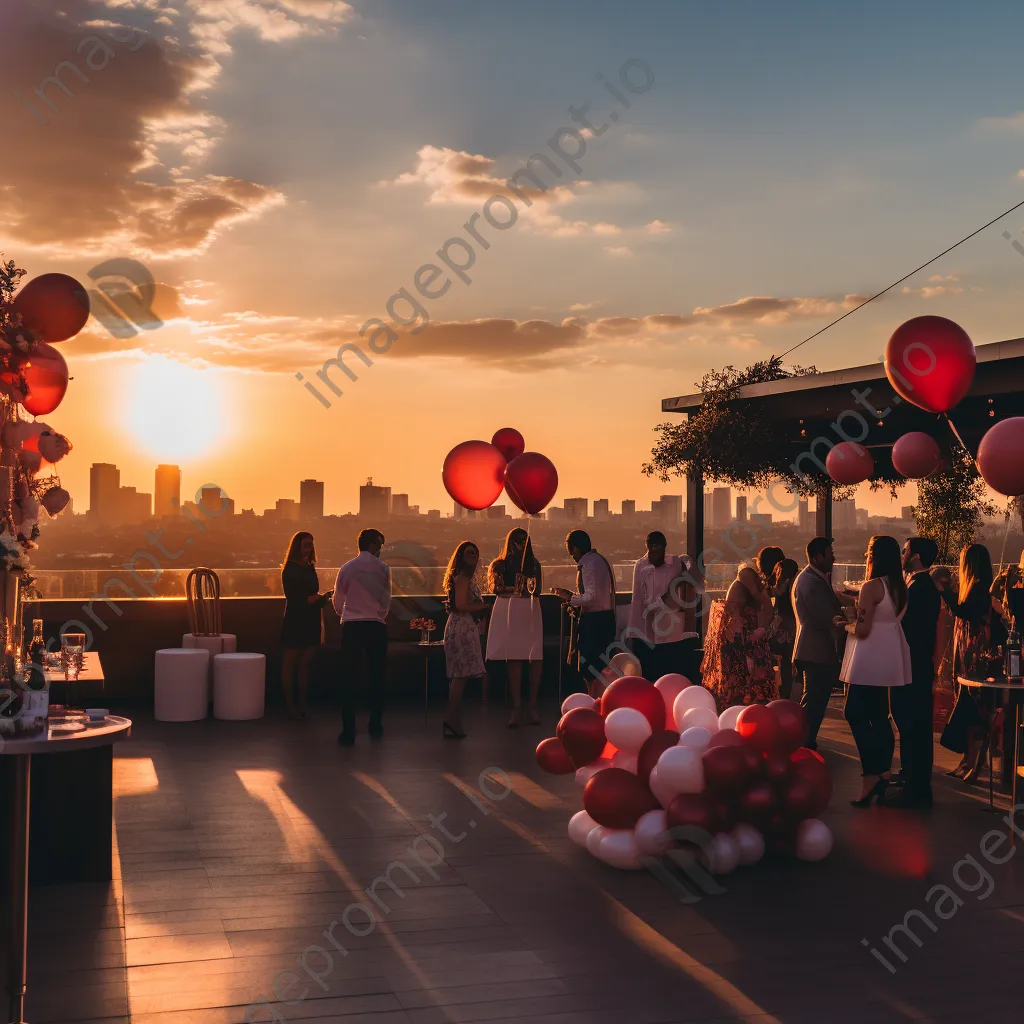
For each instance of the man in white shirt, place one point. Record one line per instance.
(663, 612)
(362, 598)
(594, 610)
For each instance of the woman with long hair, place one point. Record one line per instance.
(515, 634)
(877, 658)
(782, 633)
(977, 631)
(462, 632)
(303, 627)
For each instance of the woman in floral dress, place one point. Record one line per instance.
(738, 667)
(463, 632)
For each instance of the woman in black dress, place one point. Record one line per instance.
(302, 630)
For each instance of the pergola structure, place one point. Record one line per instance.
(807, 409)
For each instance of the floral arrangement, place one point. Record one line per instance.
(423, 624)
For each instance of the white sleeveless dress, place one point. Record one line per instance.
(882, 658)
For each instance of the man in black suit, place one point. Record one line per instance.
(911, 705)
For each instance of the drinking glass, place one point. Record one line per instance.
(531, 585)
(72, 649)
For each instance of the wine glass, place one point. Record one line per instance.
(531, 585)
(72, 646)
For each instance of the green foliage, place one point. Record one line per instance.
(10, 275)
(951, 504)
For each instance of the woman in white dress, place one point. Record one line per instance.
(877, 658)
(516, 634)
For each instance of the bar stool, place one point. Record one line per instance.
(239, 686)
(181, 686)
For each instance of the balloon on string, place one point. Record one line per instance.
(930, 361)
(916, 455)
(1001, 457)
(474, 474)
(46, 377)
(509, 442)
(531, 481)
(849, 463)
(54, 307)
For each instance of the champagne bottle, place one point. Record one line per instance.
(1013, 652)
(37, 646)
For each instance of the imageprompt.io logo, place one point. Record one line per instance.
(123, 298)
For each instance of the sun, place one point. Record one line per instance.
(174, 410)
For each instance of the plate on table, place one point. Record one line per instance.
(66, 728)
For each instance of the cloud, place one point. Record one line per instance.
(1014, 123)
(657, 227)
(103, 100)
(622, 252)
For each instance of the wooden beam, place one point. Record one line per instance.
(695, 533)
(823, 511)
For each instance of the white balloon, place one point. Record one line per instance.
(581, 825)
(627, 664)
(594, 837)
(588, 771)
(670, 686)
(651, 832)
(699, 718)
(627, 729)
(624, 759)
(662, 792)
(618, 847)
(681, 770)
(692, 697)
(750, 843)
(578, 700)
(696, 737)
(722, 854)
(727, 719)
(813, 840)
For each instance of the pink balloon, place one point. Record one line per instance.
(663, 792)
(619, 849)
(509, 442)
(813, 840)
(531, 481)
(1001, 457)
(849, 463)
(627, 729)
(916, 455)
(474, 474)
(651, 833)
(931, 361)
(670, 686)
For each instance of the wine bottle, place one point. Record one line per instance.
(37, 646)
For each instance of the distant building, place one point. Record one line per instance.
(576, 508)
(601, 511)
(287, 508)
(741, 508)
(433, 513)
(721, 507)
(104, 483)
(629, 508)
(907, 512)
(557, 515)
(762, 519)
(844, 515)
(464, 513)
(311, 499)
(804, 516)
(167, 493)
(862, 518)
(375, 502)
(399, 504)
(214, 503)
(132, 506)
(671, 508)
(709, 519)
(495, 512)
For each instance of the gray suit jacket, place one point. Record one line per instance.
(815, 605)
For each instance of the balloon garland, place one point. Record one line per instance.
(33, 380)
(659, 768)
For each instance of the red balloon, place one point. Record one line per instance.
(509, 442)
(726, 738)
(776, 766)
(1001, 456)
(690, 810)
(758, 804)
(800, 798)
(551, 754)
(806, 754)
(54, 307)
(820, 779)
(634, 692)
(723, 817)
(616, 798)
(531, 481)
(849, 463)
(582, 734)
(55, 500)
(46, 374)
(654, 746)
(474, 474)
(916, 455)
(930, 361)
(758, 727)
(792, 723)
(725, 769)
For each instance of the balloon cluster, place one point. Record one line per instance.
(659, 766)
(475, 472)
(33, 379)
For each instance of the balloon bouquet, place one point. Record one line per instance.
(33, 379)
(930, 362)
(659, 767)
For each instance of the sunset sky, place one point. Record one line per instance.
(283, 167)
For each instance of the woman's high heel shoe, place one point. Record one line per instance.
(877, 790)
(984, 757)
(960, 770)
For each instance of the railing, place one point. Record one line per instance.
(407, 581)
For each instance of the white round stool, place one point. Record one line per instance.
(181, 685)
(239, 686)
(221, 643)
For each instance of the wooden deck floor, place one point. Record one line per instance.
(240, 844)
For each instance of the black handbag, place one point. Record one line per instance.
(963, 717)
